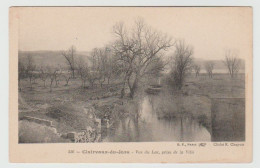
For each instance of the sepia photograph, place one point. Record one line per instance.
(132, 75)
(129, 79)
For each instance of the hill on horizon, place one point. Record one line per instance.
(50, 58)
(54, 58)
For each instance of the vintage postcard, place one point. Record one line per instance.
(131, 84)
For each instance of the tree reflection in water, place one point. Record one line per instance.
(143, 125)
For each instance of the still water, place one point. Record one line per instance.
(149, 128)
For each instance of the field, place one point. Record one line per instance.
(73, 108)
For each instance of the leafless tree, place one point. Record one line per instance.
(30, 68)
(136, 50)
(111, 69)
(101, 65)
(57, 77)
(209, 66)
(196, 68)
(92, 77)
(67, 76)
(69, 55)
(83, 71)
(182, 63)
(232, 62)
(95, 71)
(44, 74)
(52, 74)
(156, 67)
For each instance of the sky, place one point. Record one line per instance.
(210, 31)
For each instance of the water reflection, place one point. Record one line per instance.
(149, 128)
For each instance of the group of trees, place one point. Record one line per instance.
(182, 64)
(136, 53)
(98, 67)
(231, 62)
(27, 69)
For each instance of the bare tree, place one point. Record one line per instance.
(101, 65)
(209, 66)
(30, 68)
(92, 77)
(232, 62)
(196, 68)
(57, 77)
(182, 63)
(95, 71)
(111, 68)
(44, 74)
(83, 71)
(67, 76)
(155, 68)
(52, 74)
(69, 55)
(136, 50)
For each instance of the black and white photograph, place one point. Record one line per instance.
(132, 74)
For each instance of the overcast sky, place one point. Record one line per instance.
(209, 30)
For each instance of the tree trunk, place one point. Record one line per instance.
(30, 83)
(134, 87)
(67, 82)
(122, 92)
(73, 73)
(82, 81)
(51, 86)
(132, 92)
(56, 83)
(197, 74)
(108, 80)
(123, 89)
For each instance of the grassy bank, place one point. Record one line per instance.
(194, 100)
(68, 107)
